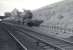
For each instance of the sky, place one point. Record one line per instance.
(9, 5)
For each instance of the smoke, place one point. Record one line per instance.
(9, 5)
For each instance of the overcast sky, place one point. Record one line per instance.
(8, 5)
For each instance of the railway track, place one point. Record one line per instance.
(58, 44)
(10, 42)
(35, 42)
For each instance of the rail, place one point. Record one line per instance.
(58, 43)
(13, 37)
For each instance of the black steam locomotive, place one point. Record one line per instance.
(22, 17)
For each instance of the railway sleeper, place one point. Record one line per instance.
(45, 46)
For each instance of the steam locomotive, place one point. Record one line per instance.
(23, 18)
